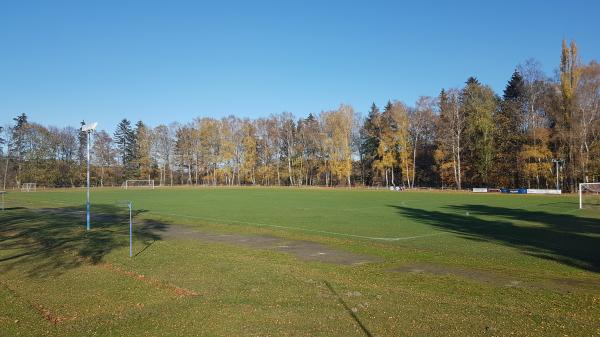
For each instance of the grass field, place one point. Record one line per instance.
(298, 262)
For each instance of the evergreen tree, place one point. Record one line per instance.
(125, 142)
(370, 142)
(309, 130)
(17, 144)
(509, 133)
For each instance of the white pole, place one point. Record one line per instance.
(557, 175)
(130, 231)
(580, 197)
(88, 182)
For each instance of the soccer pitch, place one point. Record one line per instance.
(298, 262)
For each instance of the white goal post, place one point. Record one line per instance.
(28, 187)
(589, 194)
(149, 183)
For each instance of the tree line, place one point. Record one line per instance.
(465, 137)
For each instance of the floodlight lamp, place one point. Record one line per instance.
(89, 127)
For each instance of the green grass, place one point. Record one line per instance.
(493, 264)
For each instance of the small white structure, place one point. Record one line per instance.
(542, 191)
(138, 183)
(28, 187)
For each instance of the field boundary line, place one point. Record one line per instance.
(299, 228)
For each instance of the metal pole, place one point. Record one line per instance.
(580, 196)
(557, 175)
(5, 169)
(88, 183)
(130, 231)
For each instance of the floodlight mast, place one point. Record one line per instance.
(88, 128)
(558, 162)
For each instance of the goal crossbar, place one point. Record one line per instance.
(584, 188)
(28, 187)
(147, 183)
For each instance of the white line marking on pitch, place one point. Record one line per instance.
(288, 227)
(302, 229)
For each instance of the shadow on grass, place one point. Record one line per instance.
(51, 240)
(348, 310)
(564, 238)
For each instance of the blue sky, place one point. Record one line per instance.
(174, 61)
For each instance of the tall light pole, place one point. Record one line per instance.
(88, 128)
(557, 161)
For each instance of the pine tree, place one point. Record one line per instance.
(17, 144)
(370, 134)
(125, 142)
(509, 135)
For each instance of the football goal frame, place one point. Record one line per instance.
(133, 183)
(28, 187)
(588, 187)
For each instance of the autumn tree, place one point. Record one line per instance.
(163, 148)
(103, 153)
(386, 149)
(588, 122)
(143, 146)
(184, 151)
(479, 104)
(66, 149)
(565, 110)
(450, 131)
(250, 150)
(337, 127)
(421, 121)
(209, 144)
(399, 138)
(535, 154)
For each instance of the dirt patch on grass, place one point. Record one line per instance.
(304, 250)
(44, 312)
(181, 292)
(471, 274)
(157, 284)
(481, 276)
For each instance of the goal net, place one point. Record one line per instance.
(28, 187)
(138, 184)
(589, 195)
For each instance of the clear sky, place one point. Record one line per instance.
(174, 61)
